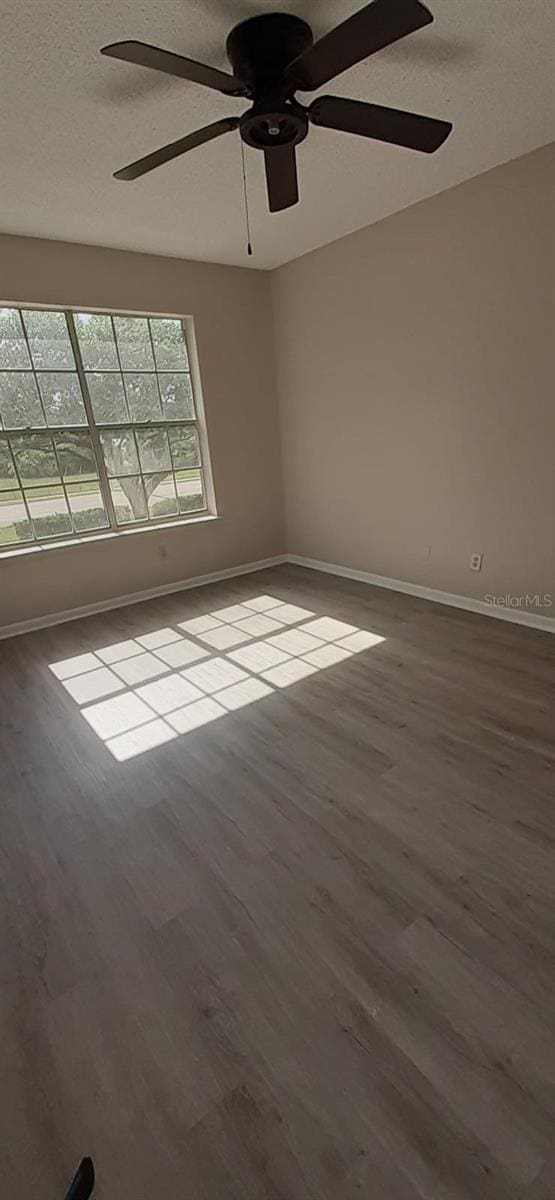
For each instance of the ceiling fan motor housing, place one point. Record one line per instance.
(259, 50)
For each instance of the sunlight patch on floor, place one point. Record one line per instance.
(165, 690)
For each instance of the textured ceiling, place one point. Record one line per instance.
(71, 117)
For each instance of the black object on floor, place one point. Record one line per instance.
(83, 1182)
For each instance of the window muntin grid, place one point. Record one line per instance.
(98, 424)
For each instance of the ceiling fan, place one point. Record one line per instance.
(273, 56)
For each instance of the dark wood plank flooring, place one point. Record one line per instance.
(306, 952)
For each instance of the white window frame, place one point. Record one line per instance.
(94, 428)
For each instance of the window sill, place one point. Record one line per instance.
(107, 535)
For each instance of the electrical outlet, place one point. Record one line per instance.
(476, 562)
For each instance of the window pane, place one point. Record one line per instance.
(169, 345)
(184, 446)
(49, 340)
(190, 490)
(162, 500)
(62, 399)
(120, 452)
(13, 348)
(107, 397)
(134, 345)
(49, 512)
(76, 457)
(154, 451)
(52, 481)
(177, 397)
(19, 400)
(14, 523)
(129, 499)
(143, 398)
(7, 471)
(35, 458)
(87, 506)
(96, 342)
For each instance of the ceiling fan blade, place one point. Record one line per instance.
(281, 177)
(384, 124)
(372, 28)
(143, 55)
(174, 149)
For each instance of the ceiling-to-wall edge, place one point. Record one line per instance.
(468, 181)
(206, 264)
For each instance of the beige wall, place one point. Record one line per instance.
(231, 308)
(414, 367)
(416, 383)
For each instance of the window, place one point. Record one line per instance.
(98, 425)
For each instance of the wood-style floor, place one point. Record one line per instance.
(306, 952)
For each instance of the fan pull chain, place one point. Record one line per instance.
(247, 220)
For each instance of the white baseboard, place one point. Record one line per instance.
(532, 620)
(88, 610)
(517, 616)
